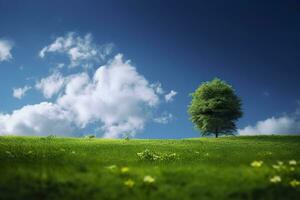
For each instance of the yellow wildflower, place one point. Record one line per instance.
(149, 179)
(124, 170)
(129, 183)
(257, 163)
(292, 162)
(275, 179)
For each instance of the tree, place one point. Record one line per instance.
(215, 108)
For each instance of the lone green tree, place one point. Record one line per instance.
(215, 108)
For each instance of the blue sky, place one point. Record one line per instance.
(252, 45)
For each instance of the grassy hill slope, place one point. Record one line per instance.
(206, 168)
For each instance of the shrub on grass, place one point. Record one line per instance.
(127, 136)
(156, 156)
(49, 137)
(90, 136)
(52, 136)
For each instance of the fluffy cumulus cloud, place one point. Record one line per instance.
(274, 125)
(80, 50)
(19, 93)
(50, 85)
(39, 119)
(116, 97)
(5, 50)
(170, 96)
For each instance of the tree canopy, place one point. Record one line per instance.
(215, 108)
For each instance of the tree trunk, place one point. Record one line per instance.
(217, 132)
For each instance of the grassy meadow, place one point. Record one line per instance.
(204, 168)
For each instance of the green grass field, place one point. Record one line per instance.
(205, 168)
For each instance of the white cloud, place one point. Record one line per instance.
(5, 48)
(51, 85)
(19, 93)
(273, 125)
(116, 97)
(158, 88)
(39, 119)
(170, 96)
(165, 118)
(80, 50)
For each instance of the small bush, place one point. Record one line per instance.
(155, 156)
(49, 137)
(171, 156)
(127, 136)
(90, 136)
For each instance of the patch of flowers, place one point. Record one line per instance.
(275, 179)
(295, 183)
(148, 181)
(155, 156)
(283, 174)
(281, 167)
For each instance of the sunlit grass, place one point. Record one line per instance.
(264, 167)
